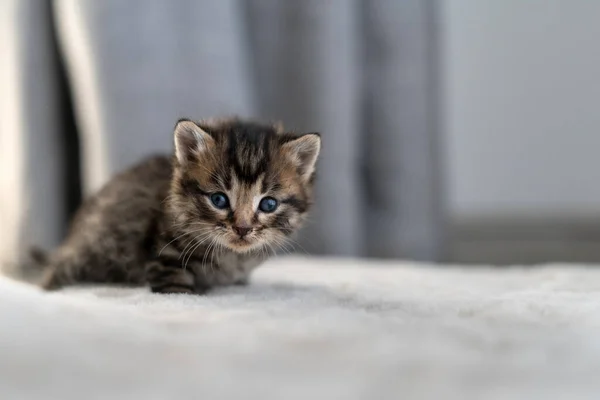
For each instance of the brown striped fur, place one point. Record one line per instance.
(156, 224)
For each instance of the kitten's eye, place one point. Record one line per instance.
(219, 200)
(268, 205)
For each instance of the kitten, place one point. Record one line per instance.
(206, 216)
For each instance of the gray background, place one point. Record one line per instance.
(455, 130)
(363, 73)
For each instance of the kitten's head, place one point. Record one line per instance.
(240, 184)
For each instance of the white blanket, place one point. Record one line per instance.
(313, 329)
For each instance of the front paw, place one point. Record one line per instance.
(167, 279)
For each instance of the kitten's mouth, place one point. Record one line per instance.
(241, 244)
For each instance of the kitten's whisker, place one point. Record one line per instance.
(272, 249)
(189, 254)
(295, 243)
(216, 247)
(199, 239)
(208, 250)
(212, 255)
(219, 247)
(292, 240)
(195, 247)
(263, 251)
(204, 232)
(279, 246)
(180, 236)
(282, 244)
(186, 224)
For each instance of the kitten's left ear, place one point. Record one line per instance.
(191, 141)
(304, 152)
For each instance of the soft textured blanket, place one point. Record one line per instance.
(313, 329)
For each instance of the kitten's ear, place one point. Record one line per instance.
(190, 141)
(304, 152)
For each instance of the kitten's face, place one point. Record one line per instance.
(241, 185)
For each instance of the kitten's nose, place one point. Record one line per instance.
(242, 230)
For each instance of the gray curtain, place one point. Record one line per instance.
(363, 73)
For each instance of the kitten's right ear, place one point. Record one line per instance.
(191, 141)
(304, 151)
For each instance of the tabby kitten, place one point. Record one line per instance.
(205, 217)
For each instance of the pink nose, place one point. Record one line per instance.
(242, 230)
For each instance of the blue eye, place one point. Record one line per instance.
(268, 205)
(219, 200)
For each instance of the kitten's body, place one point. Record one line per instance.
(156, 223)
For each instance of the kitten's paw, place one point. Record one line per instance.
(167, 279)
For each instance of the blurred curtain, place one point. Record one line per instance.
(363, 73)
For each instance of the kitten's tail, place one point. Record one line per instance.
(38, 258)
(32, 269)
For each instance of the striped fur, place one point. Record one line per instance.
(155, 223)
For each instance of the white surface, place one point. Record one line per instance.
(521, 106)
(316, 329)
